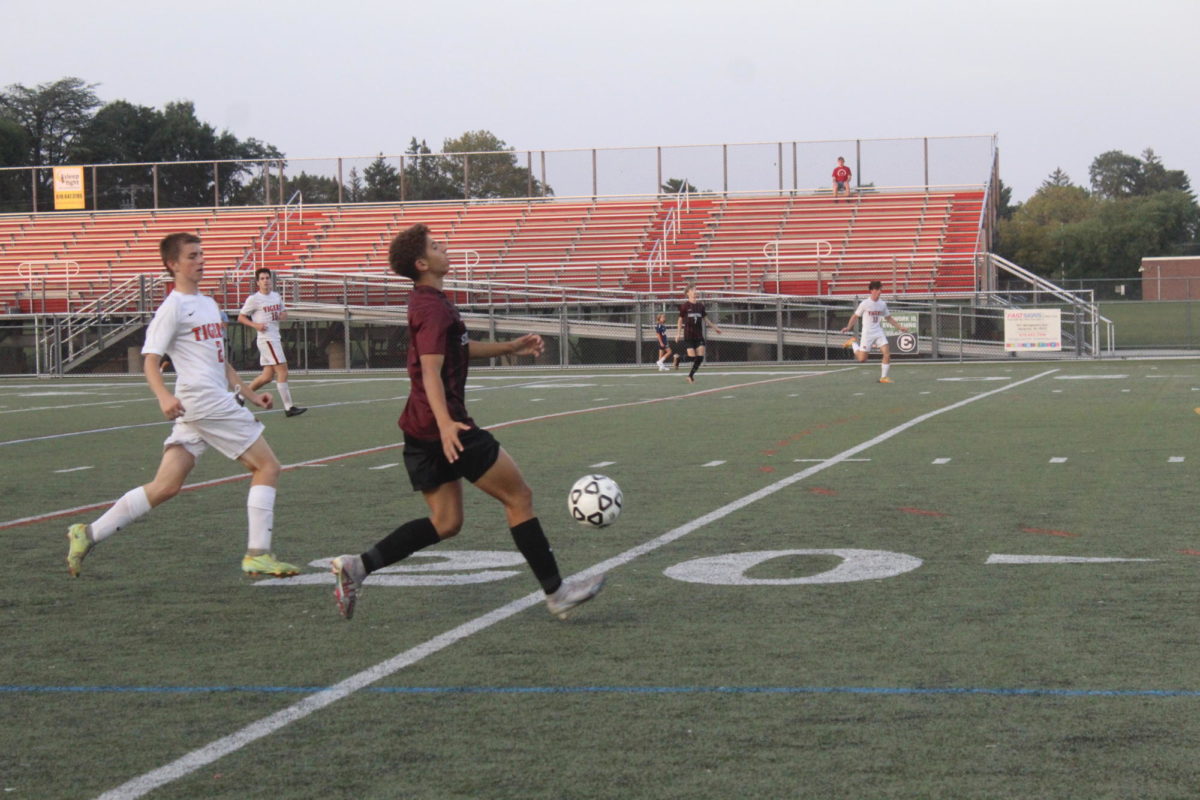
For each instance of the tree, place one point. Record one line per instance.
(1004, 207)
(425, 175)
(1057, 178)
(678, 186)
(1157, 178)
(382, 182)
(313, 188)
(488, 168)
(1031, 237)
(119, 133)
(1065, 232)
(14, 184)
(354, 187)
(1116, 174)
(51, 114)
(185, 149)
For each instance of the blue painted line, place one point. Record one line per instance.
(734, 690)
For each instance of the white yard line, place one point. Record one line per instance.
(143, 784)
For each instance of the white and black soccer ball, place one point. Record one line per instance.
(595, 500)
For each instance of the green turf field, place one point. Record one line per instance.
(820, 587)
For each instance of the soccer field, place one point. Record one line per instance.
(976, 582)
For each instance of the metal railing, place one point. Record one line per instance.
(565, 173)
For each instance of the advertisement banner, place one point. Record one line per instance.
(68, 188)
(1038, 330)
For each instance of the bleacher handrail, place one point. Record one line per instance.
(256, 252)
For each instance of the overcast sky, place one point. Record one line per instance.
(1058, 81)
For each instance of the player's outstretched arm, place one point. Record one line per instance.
(528, 345)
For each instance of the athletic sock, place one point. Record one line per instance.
(886, 367)
(401, 543)
(285, 394)
(696, 362)
(260, 510)
(532, 543)
(132, 505)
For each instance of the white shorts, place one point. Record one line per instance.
(270, 353)
(873, 342)
(232, 433)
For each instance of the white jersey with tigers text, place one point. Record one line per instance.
(189, 329)
(872, 313)
(266, 308)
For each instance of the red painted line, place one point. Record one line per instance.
(1049, 532)
(820, 490)
(66, 512)
(766, 469)
(1190, 552)
(922, 512)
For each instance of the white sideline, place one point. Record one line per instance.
(143, 784)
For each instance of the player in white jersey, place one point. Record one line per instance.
(188, 327)
(873, 312)
(263, 311)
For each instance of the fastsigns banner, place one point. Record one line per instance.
(1039, 330)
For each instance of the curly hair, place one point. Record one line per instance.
(408, 246)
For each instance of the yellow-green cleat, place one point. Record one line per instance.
(267, 564)
(80, 547)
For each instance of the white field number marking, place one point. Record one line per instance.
(466, 567)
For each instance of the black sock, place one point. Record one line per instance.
(400, 543)
(696, 365)
(532, 543)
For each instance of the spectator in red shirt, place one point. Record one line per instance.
(443, 445)
(841, 179)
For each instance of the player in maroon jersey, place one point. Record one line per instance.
(443, 445)
(690, 329)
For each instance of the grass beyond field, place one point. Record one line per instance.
(977, 582)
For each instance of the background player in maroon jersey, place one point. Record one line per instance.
(690, 329)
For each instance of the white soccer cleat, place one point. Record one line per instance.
(348, 576)
(573, 594)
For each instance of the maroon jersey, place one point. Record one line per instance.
(841, 173)
(434, 328)
(693, 315)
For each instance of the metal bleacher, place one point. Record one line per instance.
(797, 244)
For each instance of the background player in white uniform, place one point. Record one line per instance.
(873, 312)
(262, 311)
(188, 327)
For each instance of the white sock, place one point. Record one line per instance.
(260, 508)
(285, 394)
(132, 505)
(886, 367)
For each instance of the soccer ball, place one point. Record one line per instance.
(595, 500)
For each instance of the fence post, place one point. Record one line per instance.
(933, 329)
(778, 330)
(637, 332)
(564, 352)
